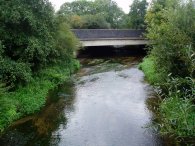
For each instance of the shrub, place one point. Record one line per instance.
(14, 72)
(31, 98)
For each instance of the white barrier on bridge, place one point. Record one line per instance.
(113, 42)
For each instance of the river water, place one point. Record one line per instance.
(104, 104)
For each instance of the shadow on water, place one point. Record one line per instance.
(37, 130)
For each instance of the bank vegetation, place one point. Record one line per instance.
(170, 65)
(36, 54)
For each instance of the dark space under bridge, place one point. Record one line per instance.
(110, 37)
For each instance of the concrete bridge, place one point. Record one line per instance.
(110, 37)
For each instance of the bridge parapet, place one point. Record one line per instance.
(91, 34)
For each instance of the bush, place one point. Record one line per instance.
(31, 98)
(14, 72)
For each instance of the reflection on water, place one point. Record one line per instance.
(105, 105)
(37, 129)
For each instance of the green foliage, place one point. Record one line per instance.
(65, 42)
(170, 27)
(172, 37)
(95, 22)
(31, 98)
(184, 86)
(92, 14)
(14, 72)
(36, 54)
(79, 7)
(137, 14)
(31, 38)
(7, 112)
(110, 10)
(148, 67)
(177, 110)
(3, 89)
(177, 117)
(76, 22)
(26, 38)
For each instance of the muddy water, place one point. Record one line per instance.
(103, 105)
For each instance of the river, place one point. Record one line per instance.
(105, 104)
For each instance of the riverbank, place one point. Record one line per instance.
(27, 100)
(176, 110)
(98, 107)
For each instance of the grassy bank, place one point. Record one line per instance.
(31, 98)
(148, 67)
(176, 112)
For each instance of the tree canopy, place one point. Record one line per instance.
(137, 14)
(170, 29)
(27, 38)
(92, 14)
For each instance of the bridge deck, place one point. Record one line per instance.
(109, 37)
(107, 33)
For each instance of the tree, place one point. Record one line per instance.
(76, 21)
(26, 34)
(27, 39)
(104, 10)
(137, 14)
(110, 10)
(95, 22)
(78, 7)
(170, 29)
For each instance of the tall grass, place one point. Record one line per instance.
(177, 109)
(177, 116)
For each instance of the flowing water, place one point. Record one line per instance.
(105, 104)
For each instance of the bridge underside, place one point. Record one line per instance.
(113, 42)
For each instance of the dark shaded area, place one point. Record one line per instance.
(112, 51)
(88, 34)
(36, 130)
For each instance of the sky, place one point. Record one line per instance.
(124, 4)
